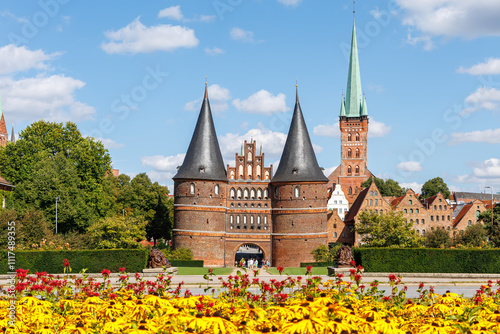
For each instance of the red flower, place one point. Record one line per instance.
(421, 285)
(66, 263)
(121, 270)
(309, 268)
(280, 269)
(352, 263)
(105, 272)
(392, 277)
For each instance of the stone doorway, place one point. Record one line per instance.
(249, 251)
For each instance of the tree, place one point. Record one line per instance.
(473, 236)
(386, 230)
(118, 232)
(160, 226)
(56, 177)
(42, 140)
(386, 188)
(437, 238)
(492, 226)
(433, 187)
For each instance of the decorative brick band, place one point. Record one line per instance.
(201, 233)
(200, 208)
(300, 210)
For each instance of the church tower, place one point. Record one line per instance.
(353, 131)
(299, 198)
(4, 135)
(200, 188)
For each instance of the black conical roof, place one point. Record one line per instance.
(298, 161)
(203, 159)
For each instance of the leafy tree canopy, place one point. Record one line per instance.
(433, 187)
(474, 235)
(492, 226)
(437, 238)
(386, 188)
(118, 232)
(386, 230)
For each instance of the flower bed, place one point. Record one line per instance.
(46, 303)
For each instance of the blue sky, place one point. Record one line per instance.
(132, 74)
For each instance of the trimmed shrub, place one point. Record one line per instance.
(134, 260)
(316, 264)
(428, 260)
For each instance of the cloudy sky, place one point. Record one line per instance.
(132, 74)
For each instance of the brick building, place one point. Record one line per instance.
(218, 212)
(353, 121)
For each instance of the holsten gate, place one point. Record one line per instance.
(219, 210)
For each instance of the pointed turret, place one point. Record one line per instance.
(342, 107)
(203, 159)
(298, 161)
(364, 109)
(13, 135)
(354, 97)
(4, 135)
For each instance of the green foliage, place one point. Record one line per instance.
(7, 216)
(433, 187)
(181, 254)
(160, 226)
(428, 260)
(492, 226)
(386, 188)
(322, 254)
(438, 238)
(386, 230)
(473, 236)
(317, 264)
(134, 260)
(118, 232)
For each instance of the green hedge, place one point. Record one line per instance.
(134, 260)
(186, 263)
(316, 264)
(428, 260)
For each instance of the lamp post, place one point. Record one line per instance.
(57, 199)
(491, 188)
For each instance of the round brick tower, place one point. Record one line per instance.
(299, 199)
(200, 188)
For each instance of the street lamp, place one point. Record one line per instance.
(57, 199)
(491, 188)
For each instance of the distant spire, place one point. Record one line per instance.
(13, 135)
(296, 92)
(298, 160)
(241, 153)
(3, 128)
(260, 149)
(206, 88)
(203, 160)
(353, 99)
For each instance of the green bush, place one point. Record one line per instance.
(184, 254)
(134, 260)
(428, 260)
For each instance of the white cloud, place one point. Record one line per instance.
(262, 102)
(214, 51)
(452, 18)
(207, 18)
(375, 129)
(50, 98)
(490, 66)
(415, 186)
(137, 38)
(163, 167)
(483, 173)
(378, 129)
(409, 166)
(218, 97)
(20, 58)
(482, 98)
(272, 143)
(327, 130)
(490, 136)
(173, 12)
(239, 34)
(109, 143)
(329, 170)
(291, 3)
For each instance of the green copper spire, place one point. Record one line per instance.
(364, 109)
(353, 99)
(342, 107)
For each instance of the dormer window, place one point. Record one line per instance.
(202, 169)
(295, 171)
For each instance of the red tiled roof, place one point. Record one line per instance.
(3, 128)
(461, 214)
(396, 201)
(430, 200)
(5, 182)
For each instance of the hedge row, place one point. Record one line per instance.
(185, 263)
(134, 260)
(428, 260)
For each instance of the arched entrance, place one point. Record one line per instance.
(249, 251)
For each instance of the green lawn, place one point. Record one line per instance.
(299, 271)
(202, 271)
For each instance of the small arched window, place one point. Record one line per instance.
(349, 137)
(239, 193)
(232, 193)
(245, 193)
(252, 193)
(335, 234)
(358, 153)
(350, 191)
(232, 174)
(267, 175)
(357, 169)
(249, 171)
(192, 189)
(296, 192)
(349, 153)
(477, 213)
(349, 170)
(216, 190)
(265, 193)
(240, 171)
(357, 136)
(259, 193)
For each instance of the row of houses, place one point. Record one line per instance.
(437, 212)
